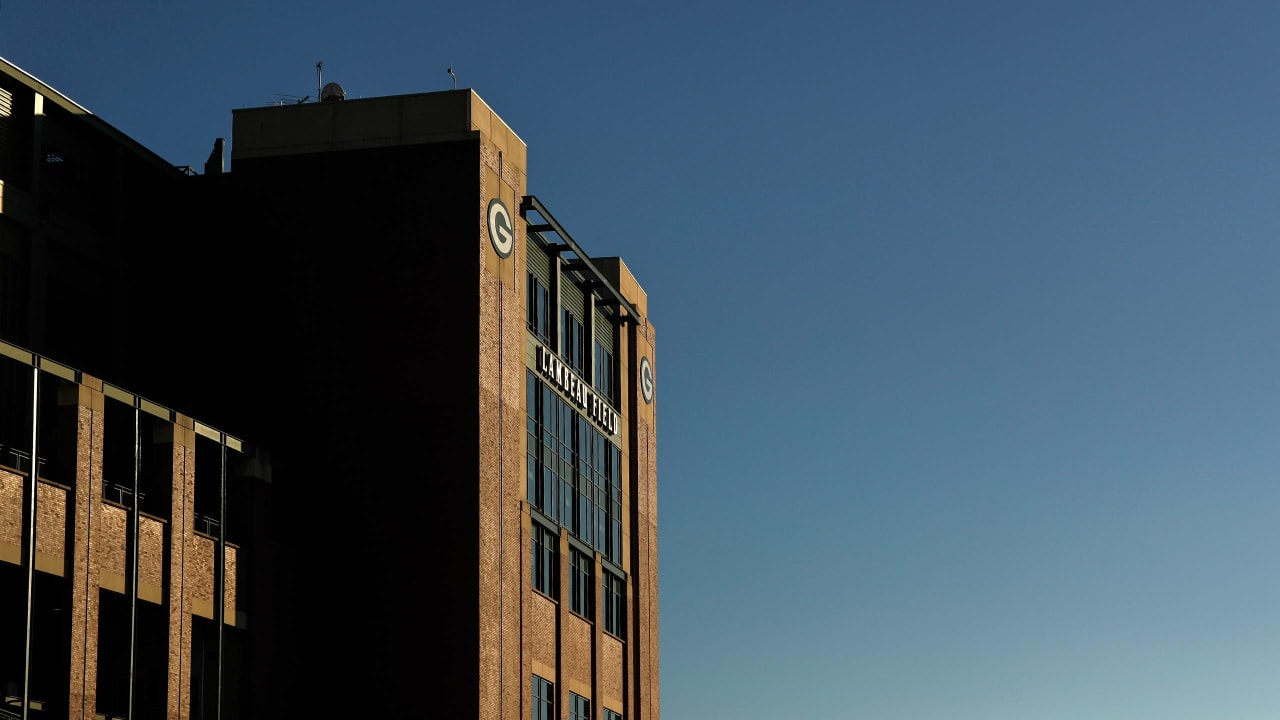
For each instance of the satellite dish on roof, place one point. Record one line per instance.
(332, 92)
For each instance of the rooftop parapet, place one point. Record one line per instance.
(381, 122)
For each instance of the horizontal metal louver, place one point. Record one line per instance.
(539, 265)
(571, 298)
(604, 330)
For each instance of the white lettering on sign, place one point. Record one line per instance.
(563, 377)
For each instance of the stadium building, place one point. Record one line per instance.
(439, 492)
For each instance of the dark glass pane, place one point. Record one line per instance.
(532, 481)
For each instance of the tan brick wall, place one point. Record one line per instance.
(51, 529)
(521, 631)
(151, 540)
(650, 576)
(11, 516)
(503, 680)
(542, 626)
(493, 595)
(643, 588)
(112, 533)
(199, 580)
(527, 604)
(181, 552)
(575, 649)
(620, 675)
(86, 563)
(97, 553)
(229, 589)
(611, 668)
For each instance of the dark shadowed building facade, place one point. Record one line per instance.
(439, 492)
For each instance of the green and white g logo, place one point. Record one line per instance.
(646, 380)
(500, 232)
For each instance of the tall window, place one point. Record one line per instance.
(546, 568)
(600, 489)
(581, 588)
(544, 699)
(613, 547)
(611, 715)
(574, 472)
(579, 707)
(614, 598)
(582, 519)
(602, 379)
(561, 454)
(571, 346)
(545, 468)
(539, 309)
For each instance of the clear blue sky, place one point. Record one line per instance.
(968, 314)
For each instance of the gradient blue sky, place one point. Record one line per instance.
(968, 342)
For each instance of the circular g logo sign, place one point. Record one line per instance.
(646, 380)
(500, 232)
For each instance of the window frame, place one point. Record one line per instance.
(545, 567)
(572, 332)
(543, 692)
(581, 583)
(538, 311)
(573, 470)
(602, 372)
(613, 595)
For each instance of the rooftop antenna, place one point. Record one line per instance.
(319, 70)
(284, 98)
(455, 77)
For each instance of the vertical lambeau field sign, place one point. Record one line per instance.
(501, 232)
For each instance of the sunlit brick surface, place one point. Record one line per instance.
(11, 508)
(151, 538)
(611, 667)
(199, 569)
(113, 533)
(86, 557)
(51, 521)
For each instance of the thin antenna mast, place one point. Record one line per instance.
(455, 77)
(319, 75)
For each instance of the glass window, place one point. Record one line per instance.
(544, 699)
(571, 347)
(614, 598)
(542, 484)
(579, 707)
(574, 472)
(546, 568)
(613, 549)
(602, 379)
(580, 585)
(539, 309)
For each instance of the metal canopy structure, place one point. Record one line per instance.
(597, 283)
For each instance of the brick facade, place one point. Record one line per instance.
(375, 430)
(83, 540)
